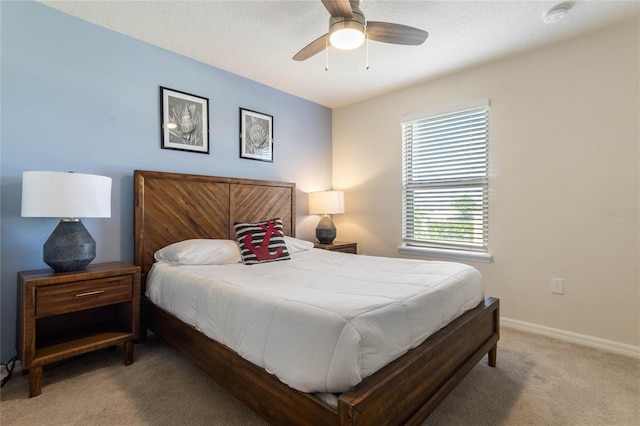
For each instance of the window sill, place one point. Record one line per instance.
(458, 255)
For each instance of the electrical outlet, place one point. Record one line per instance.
(557, 285)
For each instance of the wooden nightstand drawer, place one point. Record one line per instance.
(63, 298)
(340, 246)
(350, 249)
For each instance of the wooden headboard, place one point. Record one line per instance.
(171, 207)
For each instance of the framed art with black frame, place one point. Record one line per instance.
(256, 135)
(185, 121)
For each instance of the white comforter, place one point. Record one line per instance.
(322, 321)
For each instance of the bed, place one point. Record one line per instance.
(172, 207)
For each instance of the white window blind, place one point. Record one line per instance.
(445, 181)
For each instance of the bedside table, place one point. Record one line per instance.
(61, 315)
(340, 246)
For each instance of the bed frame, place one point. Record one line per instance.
(171, 207)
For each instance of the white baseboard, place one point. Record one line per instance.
(568, 336)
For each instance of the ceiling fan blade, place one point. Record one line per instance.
(313, 48)
(387, 32)
(338, 8)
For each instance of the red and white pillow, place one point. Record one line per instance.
(261, 242)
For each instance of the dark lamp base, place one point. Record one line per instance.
(69, 248)
(326, 230)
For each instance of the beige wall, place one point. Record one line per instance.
(564, 157)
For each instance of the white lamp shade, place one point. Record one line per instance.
(326, 202)
(65, 194)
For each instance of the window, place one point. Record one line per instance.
(445, 185)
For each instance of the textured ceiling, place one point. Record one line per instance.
(257, 39)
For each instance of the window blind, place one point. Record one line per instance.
(445, 181)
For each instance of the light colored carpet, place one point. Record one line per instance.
(538, 381)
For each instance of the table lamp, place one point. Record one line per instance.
(326, 203)
(68, 196)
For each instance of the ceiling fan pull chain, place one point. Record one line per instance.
(367, 35)
(326, 63)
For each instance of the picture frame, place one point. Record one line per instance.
(185, 121)
(256, 135)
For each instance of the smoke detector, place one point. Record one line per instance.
(556, 14)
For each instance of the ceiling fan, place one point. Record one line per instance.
(348, 30)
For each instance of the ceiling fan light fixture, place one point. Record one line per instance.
(346, 35)
(348, 30)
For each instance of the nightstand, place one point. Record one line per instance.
(340, 246)
(61, 315)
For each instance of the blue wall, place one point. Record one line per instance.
(76, 96)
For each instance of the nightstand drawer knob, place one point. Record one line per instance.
(90, 293)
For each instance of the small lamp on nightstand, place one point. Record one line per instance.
(68, 196)
(326, 203)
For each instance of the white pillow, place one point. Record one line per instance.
(200, 252)
(295, 245)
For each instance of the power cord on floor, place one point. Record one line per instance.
(9, 367)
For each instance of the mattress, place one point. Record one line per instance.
(321, 321)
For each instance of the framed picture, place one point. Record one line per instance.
(185, 121)
(256, 135)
